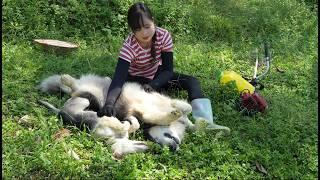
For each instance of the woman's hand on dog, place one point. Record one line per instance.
(107, 110)
(147, 88)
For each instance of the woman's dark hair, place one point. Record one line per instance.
(135, 20)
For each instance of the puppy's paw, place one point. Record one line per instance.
(126, 126)
(140, 146)
(114, 123)
(107, 78)
(67, 80)
(135, 125)
(124, 146)
(134, 128)
(167, 118)
(175, 114)
(182, 106)
(191, 126)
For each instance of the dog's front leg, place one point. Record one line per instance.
(178, 108)
(181, 105)
(124, 146)
(134, 124)
(114, 123)
(161, 117)
(69, 81)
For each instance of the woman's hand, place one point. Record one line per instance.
(147, 88)
(107, 110)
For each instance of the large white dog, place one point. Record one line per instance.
(166, 117)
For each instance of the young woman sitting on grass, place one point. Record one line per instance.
(146, 57)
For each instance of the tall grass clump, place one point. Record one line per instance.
(63, 19)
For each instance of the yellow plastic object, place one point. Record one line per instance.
(242, 84)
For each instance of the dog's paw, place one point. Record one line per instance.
(191, 126)
(182, 106)
(175, 114)
(120, 126)
(126, 126)
(140, 146)
(114, 123)
(135, 125)
(67, 80)
(124, 146)
(167, 118)
(107, 78)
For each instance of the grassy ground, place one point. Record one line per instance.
(283, 140)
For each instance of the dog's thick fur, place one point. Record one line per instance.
(168, 117)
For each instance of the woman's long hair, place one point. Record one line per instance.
(135, 15)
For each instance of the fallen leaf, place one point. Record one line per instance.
(38, 139)
(25, 120)
(279, 70)
(117, 156)
(73, 154)
(61, 134)
(261, 168)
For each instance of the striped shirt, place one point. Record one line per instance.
(140, 59)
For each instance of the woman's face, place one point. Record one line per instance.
(145, 33)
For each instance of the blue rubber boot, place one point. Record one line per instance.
(202, 113)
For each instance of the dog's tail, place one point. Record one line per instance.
(53, 84)
(66, 117)
(50, 106)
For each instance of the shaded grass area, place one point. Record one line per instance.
(283, 140)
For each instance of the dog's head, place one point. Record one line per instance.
(171, 135)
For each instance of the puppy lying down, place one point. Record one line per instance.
(165, 117)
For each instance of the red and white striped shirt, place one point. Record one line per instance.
(140, 59)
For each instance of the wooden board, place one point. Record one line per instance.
(56, 46)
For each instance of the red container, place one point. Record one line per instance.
(253, 102)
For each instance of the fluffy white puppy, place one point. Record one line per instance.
(88, 96)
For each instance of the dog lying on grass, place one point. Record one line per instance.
(165, 118)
